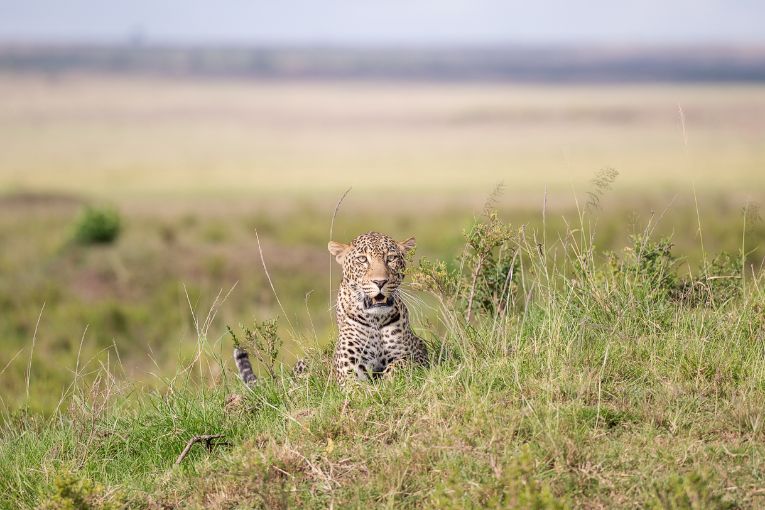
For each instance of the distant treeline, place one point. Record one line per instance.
(509, 63)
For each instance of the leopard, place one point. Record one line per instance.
(375, 336)
(374, 333)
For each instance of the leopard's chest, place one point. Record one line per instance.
(392, 339)
(371, 348)
(374, 352)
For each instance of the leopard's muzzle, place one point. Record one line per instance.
(379, 301)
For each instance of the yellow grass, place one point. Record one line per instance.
(127, 136)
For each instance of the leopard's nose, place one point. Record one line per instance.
(380, 283)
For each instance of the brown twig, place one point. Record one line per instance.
(207, 439)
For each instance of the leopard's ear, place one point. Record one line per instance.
(338, 250)
(408, 245)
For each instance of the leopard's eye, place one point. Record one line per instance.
(391, 259)
(361, 258)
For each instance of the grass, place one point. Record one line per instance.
(596, 386)
(594, 376)
(131, 300)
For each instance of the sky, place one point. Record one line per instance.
(385, 22)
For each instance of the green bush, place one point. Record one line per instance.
(486, 277)
(264, 343)
(648, 267)
(718, 282)
(97, 225)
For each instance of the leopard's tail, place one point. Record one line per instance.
(244, 366)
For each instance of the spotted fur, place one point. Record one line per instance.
(373, 322)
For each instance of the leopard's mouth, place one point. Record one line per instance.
(379, 301)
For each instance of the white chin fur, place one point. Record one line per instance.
(378, 310)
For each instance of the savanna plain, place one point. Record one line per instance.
(588, 278)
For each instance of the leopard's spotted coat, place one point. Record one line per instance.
(373, 321)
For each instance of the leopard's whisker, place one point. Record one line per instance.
(414, 305)
(411, 301)
(419, 300)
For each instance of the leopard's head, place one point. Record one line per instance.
(373, 268)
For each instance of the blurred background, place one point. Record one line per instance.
(143, 145)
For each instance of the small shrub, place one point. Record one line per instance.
(488, 269)
(437, 277)
(490, 258)
(718, 282)
(650, 269)
(649, 266)
(97, 225)
(693, 491)
(263, 342)
(74, 493)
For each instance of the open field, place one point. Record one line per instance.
(133, 136)
(590, 392)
